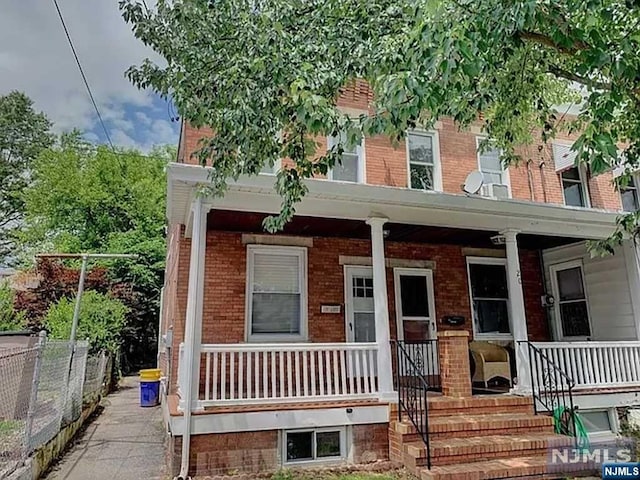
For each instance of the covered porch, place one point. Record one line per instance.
(364, 245)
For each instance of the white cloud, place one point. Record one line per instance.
(35, 58)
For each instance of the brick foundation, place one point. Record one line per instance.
(256, 452)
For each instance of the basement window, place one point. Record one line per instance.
(315, 445)
(598, 422)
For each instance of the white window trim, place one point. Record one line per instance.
(437, 164)
(506, 177)
(344, 448)
(613, 422)
(362, 162)
(586, 196)
(557, 320)
(276, 168)
(301, 252)
(482, 335)
(636, 181)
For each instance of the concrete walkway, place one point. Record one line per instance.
(124, 442)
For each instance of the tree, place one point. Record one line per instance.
(85, 198)
(101, 321)
(10, 318)
(23, 134)
(265, 75)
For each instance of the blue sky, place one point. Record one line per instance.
(35, 58)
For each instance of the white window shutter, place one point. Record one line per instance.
(563, 156)
(276, 273)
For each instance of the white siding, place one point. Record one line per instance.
(609, 293)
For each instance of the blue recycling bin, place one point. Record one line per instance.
(149, 393)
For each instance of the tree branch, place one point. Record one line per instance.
(559, 72)
(542, 39)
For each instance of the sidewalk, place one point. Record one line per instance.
(124, 442)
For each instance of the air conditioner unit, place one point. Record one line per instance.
(494, 190)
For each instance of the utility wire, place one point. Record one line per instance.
(84, 77)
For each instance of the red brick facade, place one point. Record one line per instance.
(225, 284)
(535, 179)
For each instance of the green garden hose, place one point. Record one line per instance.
(562, 417)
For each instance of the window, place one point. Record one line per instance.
(574, 188)
(276, 293)
(629, 196)
(571, 301)
(351, 168)
(314, 445)
(492, 170)
(422, 155)
(599, 422)
(489, 296)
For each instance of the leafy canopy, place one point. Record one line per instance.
(101, 320)
(264, 75)
(10, 318)
(23, 134)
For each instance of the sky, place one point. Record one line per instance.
(36, 59)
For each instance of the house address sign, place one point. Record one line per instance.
(330, 308)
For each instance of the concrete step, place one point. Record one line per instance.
(471, 449)
(537, 467)
(463, 425)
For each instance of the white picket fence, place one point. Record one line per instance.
(594, 365)
(303, 372)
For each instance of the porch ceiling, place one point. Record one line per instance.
(251, 222)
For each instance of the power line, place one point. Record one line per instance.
(84, 77)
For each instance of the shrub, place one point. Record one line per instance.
(10, 318)
(102, 319)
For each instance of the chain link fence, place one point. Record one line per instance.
(43, 388)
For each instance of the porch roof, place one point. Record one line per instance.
(338, 200)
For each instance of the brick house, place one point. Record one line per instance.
(295, 348)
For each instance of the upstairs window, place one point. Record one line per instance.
(629, 196)
(276, 293)
(495, 176)
(422, 156)
(351, 167)
(574, 187)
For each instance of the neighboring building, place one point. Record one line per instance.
(286, 338)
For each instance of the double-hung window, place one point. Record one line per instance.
(495, 176)
(574, 188)
(489, 296)
(276, 293)
(422, 153)
(629, 195)
(350, 168)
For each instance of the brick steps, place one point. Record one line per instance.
(481, 438)
(462, 425)
(531, 467)
(460, 450)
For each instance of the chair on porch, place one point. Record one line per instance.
(491, 361)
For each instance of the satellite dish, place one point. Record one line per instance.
(473, 182)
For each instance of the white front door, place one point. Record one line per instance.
(571, 308)
(415, 304)
(359, 307)
(416, 317)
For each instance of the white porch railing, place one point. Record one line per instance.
(258, 373)
(594, 365)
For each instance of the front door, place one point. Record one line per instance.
(571, 309)
(359, 307)
(416, 317)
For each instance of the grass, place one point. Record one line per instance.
(8, 427)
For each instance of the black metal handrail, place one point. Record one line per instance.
(426, 358)
(413, 388)
(552, 388)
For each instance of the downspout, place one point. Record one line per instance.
(532, 194)
(542, 177)
(190, 333)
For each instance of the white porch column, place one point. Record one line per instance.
(195, 294)
(518, 314)
(383, 338)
